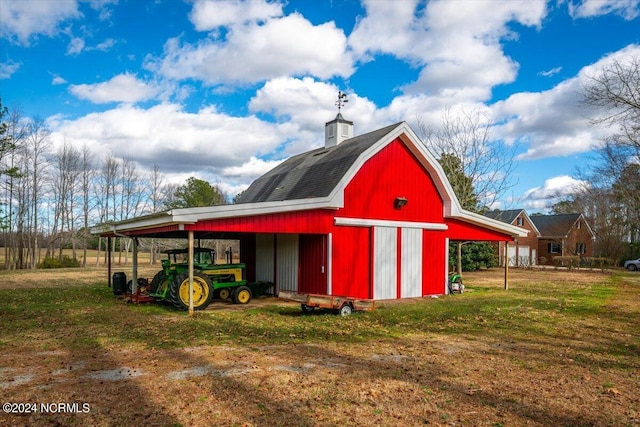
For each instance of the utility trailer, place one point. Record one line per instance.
(341, 305)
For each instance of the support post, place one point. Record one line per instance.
(506, 265)
(191, 273)
(134, 267)
(109, 260)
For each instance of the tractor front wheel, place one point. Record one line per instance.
(202, 291)
(242, 295)
(158, 282)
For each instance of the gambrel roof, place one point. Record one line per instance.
(312, 174)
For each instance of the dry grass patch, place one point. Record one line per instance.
(553, 350)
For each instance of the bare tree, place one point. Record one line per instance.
(38, 144)
(64, 184)
(464, 143)
(156, 196)
(614, 91)
(86, 177)
(105, 188)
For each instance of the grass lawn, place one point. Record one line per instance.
(557, 348)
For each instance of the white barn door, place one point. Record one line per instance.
(385, 262)
(411, 273)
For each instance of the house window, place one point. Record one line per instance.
(581, 248)
(579, 225)
(554, 248)
(519, 222)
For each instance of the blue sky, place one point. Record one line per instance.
(226, 90)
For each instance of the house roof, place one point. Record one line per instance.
(312, 174)
(555, 225)
(504, 216)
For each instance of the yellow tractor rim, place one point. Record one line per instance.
(243, 296)
(200, 291)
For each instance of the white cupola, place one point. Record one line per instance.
(337, 130)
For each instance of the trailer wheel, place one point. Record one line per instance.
(307, 308)
(242, 295)
(224, 293)
(202, 291)
(345, 310)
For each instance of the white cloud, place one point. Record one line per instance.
(105, 45)
(308, 104)
(7, 68)
(121, 88)
(551, 191)
(256, 52)
(252, 168)
(76, 45)
(57, 80)
(551, 72)
(23, 20)
(554, 122)
(208, 15)
(457, 47)
(628, 9)
(206, 143)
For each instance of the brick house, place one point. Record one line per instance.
(563, 235)
(523, 251)
(549, 236)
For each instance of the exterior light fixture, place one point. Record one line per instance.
(399, 202)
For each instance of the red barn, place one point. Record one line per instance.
(367, 217)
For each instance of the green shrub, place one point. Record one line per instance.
(65, 262)
(570, 262)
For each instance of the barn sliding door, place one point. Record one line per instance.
(411, 273)
(397, 262)
(385, 262)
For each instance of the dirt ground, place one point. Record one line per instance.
(418, 379)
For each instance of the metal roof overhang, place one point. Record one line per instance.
(172, 223)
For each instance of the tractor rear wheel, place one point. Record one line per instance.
(242, 295)
(202, 291)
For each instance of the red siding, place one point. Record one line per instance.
(393, 172)
(312, 268)
(459, 230)
(434, 254)
(317, 221)
(351, 274)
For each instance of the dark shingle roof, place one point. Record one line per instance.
(312, 174)
(554, 225)
(504, 216)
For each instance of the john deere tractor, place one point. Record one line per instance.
(210, 280)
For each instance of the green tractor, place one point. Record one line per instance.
(210, 280)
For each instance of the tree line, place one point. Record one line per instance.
(50, 196)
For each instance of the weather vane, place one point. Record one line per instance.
(342, 99)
